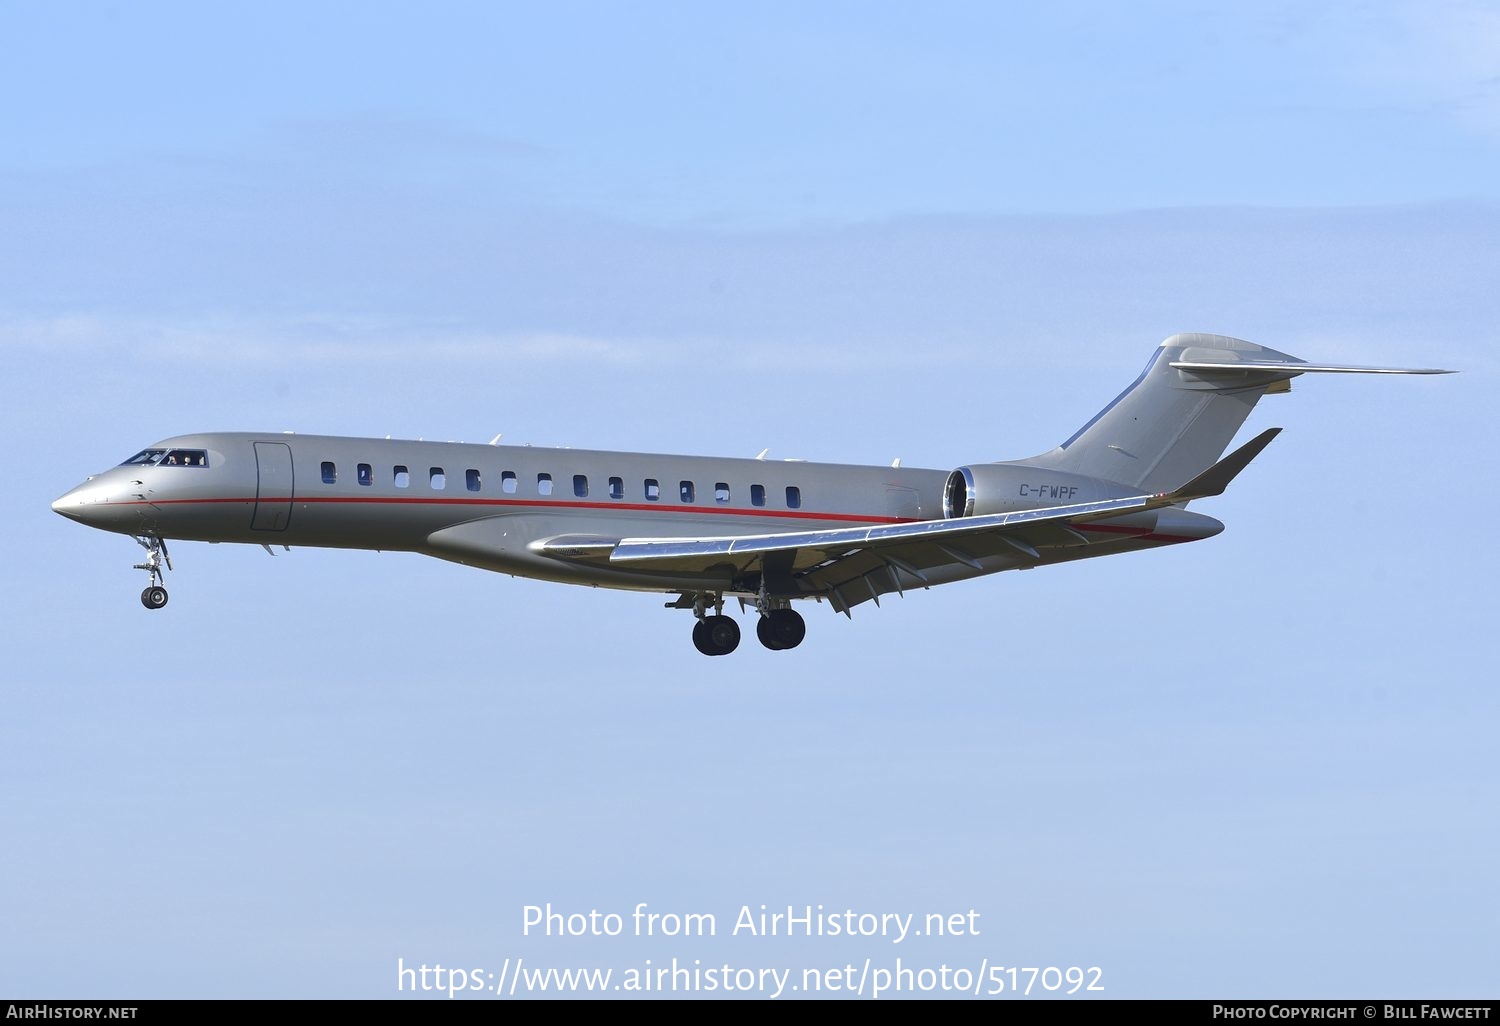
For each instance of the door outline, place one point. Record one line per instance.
(274, 480)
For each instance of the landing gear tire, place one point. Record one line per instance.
(716, 635)
(154, 597)
(700, 638)
(781, 629)
(764, 633)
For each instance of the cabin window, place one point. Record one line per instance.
(544, 484)
(617, 488)
(508, 482)
(401, 475)
(330, 473)
(653, 489)
(793, 497)
(471, 479)
(581, 486)
(685, 491)
(364, 475)
(721, 492)
(757, 495)
(437, 478)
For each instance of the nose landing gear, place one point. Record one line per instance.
(154, 596)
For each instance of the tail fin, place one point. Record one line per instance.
(1181, 413)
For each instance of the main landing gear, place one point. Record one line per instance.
(154, 596)
(781, 629)
(716, 634)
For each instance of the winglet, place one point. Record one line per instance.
(1216, 478)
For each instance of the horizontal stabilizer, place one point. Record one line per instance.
(1211, 366)
(1216, 478)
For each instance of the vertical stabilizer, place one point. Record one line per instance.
(1175, 420)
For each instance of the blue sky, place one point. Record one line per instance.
(1261, 766)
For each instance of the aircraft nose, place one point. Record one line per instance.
(88, 504)
(68, 505)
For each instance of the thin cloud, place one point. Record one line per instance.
(230, 341)
(1438, 56)
(351, 340)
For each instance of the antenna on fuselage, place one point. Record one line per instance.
(496, 439)
(762, 454)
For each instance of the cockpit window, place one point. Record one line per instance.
(186, 458)
(168, 458)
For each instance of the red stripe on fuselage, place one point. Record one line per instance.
(603, 506)
(792, 514)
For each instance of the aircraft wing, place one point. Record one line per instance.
(813, 547)
(824, 559)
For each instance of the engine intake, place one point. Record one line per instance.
(958, 494)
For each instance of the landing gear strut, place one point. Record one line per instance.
(714, 634)
(154, 596)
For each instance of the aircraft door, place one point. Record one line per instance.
(273, 493)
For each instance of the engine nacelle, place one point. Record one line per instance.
(1007, 487)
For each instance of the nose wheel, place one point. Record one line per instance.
(155, 596)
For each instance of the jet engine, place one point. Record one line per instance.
(1007, 487)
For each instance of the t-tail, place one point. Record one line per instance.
(1179, 416)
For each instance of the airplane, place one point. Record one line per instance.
(766, 532)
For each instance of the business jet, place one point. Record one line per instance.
(767, 533)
